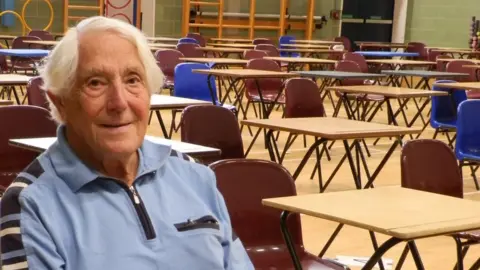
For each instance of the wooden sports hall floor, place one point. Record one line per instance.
(437, 252)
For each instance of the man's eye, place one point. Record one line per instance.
(133, 80)
(94, 83)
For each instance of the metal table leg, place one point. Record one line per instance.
(380, 252)
(288, 240)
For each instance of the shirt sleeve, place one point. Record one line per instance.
(25, 242)
(235, 255)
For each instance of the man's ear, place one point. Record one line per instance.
(58, 102)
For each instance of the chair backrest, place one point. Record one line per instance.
(199, 38)
(18, 42)
(457, 66)
(189, 49)
(430, 165)
(21, 122)
(265, 84)
(193, 85)
(254, 54)
(42, 34)
(357, 58)
(302, 99)
(270, 49)
(244, 183)
(442, 107)
(285, 40)
(441, 65)
(37, 96)
(468, 128)
(349, 66)
(212, 126)
(188, 40)
(167, 60)
(258, 41)
(347, 44)
(418, 47)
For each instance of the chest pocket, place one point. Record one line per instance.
(205, 222)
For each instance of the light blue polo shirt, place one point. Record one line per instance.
(61, 214)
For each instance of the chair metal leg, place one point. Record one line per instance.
(402, 258)
(458, 244)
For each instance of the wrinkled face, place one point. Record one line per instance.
(108, 107)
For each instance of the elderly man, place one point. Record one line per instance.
(102, 197)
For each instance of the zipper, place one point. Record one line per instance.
(142, 213)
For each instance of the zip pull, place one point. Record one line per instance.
(135, 195)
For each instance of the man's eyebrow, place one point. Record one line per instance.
(134, 69)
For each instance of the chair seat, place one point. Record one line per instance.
(278, 258)
(267, 97)
(444, 124)
(472, 155)
(470, 235)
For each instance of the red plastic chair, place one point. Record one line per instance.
(189, 50)
(347, 44)
(258, 41)
(212, 126)
(270, 88)
(418, 47)
(42, 34)
(201, 40)
(270, 49)
(244, 183)
(254, 54)
(431, 166)
(37, 96)
(21, 122)
(357, 58)
(167, 60)
(457, 66)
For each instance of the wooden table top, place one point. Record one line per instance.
(388, 91)
(42, 42)
(14, 79)
(447, 48)
(238, 40)
(331, 128)
(5, 102)
(425, 73)
(305, 46)
(162, 46)
(461, 51)
(7, 37)
(475, 61)
(41, 144)
(311, 41)
(394, 211)
(399, 62)
(163, 102)
(302, 60)
(302, 50)
(472, 66)
(245, 73)
(219, 60)
(165, 39)
(232, 45)
(384, 45)
(460, 85)
(221, 49)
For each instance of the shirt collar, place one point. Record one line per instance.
(77, 174)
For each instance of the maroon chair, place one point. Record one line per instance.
(254, 54)
(243, 184)
(167, 60)
(37, 96)
(270, 49)
(21, 122)
(271, 87)
(347, 44)
(201, 40)
(21, 63)
(189, 50)
(4, 68)
(258, 41)
(458, 67)
(212, 126)
(442, 65)
(431, 166)
(42, 34)
(418, 47)
(357, 58)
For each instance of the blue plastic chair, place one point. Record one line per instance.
(443, 117)
(467, 146)
(287, 40)
(194, 85)
(188, 40)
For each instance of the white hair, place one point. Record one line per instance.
(59, 70)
